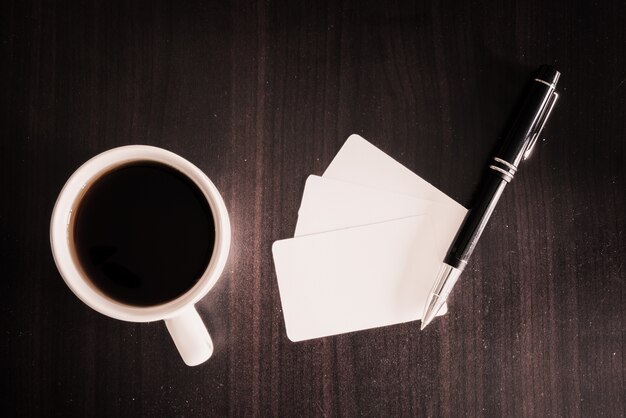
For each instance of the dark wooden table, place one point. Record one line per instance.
(260, 95)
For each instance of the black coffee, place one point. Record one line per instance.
(144, 233)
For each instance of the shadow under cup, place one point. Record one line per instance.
(143, 233)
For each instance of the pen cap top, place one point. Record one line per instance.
(548, 74)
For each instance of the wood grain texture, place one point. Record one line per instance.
(259, 96)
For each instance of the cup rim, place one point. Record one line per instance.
(77, 281)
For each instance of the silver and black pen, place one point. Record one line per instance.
(518, 145)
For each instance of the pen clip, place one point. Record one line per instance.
(542, 122)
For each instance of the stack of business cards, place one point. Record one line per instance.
(370, 239)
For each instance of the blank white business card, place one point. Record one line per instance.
(357, 278)
(360, 162)
(329, 204)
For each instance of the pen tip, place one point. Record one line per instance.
(429, 315)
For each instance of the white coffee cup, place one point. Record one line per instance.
(181, 318)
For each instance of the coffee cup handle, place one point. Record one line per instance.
(190, 336)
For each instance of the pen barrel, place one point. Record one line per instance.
(526, 127)
(529, 118)
(475, 222)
